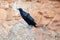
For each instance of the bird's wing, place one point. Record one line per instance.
(28, 16)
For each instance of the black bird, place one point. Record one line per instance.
(26, 16)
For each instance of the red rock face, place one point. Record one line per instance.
(9, 1)
(3, 15)
(45, 13)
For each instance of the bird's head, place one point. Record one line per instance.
(20, 9)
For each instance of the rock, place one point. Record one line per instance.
(20, 32)
(3, 15)
(4, 5)
(12, 26)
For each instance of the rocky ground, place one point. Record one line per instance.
(45, 13)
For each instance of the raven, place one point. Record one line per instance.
(26, 16)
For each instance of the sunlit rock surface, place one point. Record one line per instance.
(20, 32)
(46, 14)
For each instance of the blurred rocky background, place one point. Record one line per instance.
(46, 14)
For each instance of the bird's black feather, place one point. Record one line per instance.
(26, 16)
